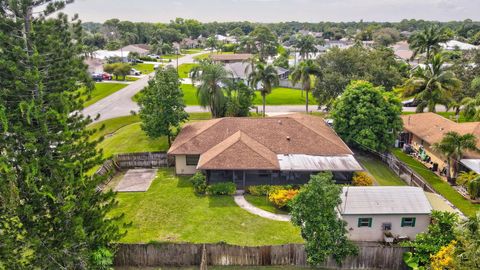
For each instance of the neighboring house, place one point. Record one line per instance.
(457, 45)
(226, 39)
(402, 51)
(231, 58)
(370, 212)
(424, 129)
(241, 71)
(262, 151)
(141, 49)
(188, 43)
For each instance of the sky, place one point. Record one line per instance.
(275, 10)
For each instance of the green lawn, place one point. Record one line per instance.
(124, 135)
(171, 56)
(284, 96)
(438, 184)
(170, 211)
(184, 70)
(383, 175)
(262, 202)
(144, 68)
(192, 51)
(101, 91)
(127, 79)
(448, 115)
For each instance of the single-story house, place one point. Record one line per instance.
(422, 130)
(452, 45)
(241, 71)
(402, 51)
(231, 58)
(141, 49)
(371, 212)
(262, 151)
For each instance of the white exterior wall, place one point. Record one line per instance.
(181, 167)
(375, 233)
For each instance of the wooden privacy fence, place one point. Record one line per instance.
(371, 256)
(143, 160)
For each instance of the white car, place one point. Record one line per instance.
(135, 72)
(154, 56)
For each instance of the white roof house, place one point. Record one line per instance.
(384, 200)
(372, 213)
(455, 44)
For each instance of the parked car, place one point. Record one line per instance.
(107, 76)
(155, 56)
(135, 61)
(135, 72)
(97, 77)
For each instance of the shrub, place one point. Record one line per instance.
(282, 197)
(473, 188)
(264, 190)
(227, 188)
(362, 179)
(199, 183)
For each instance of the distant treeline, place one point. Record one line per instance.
(114, 33)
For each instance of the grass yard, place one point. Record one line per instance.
(101, 91)
(206, 55)
(184, 70)
(263, 203)
(124, 135)
(170, 211)
(383, 175)
(192, 51)
(284, 96)
(171, 56)
(144, 68)
(448, 115)
(127, 79)
(438, 184)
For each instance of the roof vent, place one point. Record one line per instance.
(288, 138)
(279, 122)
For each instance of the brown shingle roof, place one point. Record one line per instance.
(431, 127)
(239, 152)
(291, 134)
(231, 57)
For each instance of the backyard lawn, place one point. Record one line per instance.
(192, 51)
(144, 68)
(383, 175)
(438, 184)
(170, 211)
(171, 56)
(262, 202)
(184, 70)
(101, 91)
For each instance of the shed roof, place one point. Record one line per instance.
(295, 162)
(384, 201)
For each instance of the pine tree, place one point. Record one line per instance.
(53, 203)
(162, 109)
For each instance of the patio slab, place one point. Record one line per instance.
(136, 180)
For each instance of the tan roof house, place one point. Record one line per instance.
(254, 151)
(231, 58)
(425, 129)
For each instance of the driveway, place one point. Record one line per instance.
(120, 103)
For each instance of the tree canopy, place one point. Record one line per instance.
(367, 117)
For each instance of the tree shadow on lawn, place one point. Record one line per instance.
(184, 182)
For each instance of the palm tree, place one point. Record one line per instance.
(305, 44)
(210, 77)
(431, 85)
(470, 107)
(427, 41)
(453, 146)
(303, 73)
(267, 76)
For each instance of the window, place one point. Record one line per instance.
(408, 222)
(387, 226)
(192, 160)
(365, 222)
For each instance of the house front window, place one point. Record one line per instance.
(192, 160)
(364, 222)
(408, 222)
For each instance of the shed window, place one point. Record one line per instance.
(365, 222)
(408, 222)
(192, 160)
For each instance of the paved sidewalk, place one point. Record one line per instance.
(242, 203)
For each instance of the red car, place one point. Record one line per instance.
(107, 76)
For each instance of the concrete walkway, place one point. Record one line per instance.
(242, 203)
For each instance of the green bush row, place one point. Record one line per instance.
(227, 188)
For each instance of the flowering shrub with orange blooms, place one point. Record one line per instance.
(444, 258)
(280, 198)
